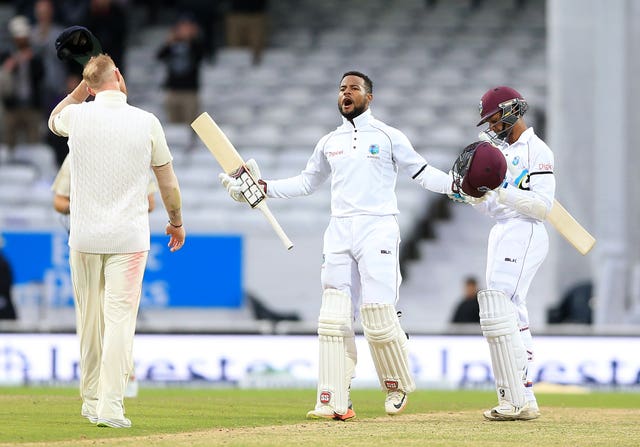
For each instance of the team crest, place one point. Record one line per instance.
(391, 385)
(515, 160)
(325, 397)
(374, 149)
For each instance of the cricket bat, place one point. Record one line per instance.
(570, 229)
(233, 164)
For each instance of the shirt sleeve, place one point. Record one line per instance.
(160, 154)
(413, 164)
(62, 121)
(314, 174)
(542, 181)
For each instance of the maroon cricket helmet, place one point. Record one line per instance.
(493, 98)
(486, 171)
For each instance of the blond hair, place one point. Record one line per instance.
(98, 71)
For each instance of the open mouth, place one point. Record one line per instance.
(347, 102)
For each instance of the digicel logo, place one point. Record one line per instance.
(545, 167)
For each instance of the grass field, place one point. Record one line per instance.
(233, 417)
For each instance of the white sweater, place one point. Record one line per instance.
(111, 147)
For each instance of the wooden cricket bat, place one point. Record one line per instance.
(233, 164)
(570, 229)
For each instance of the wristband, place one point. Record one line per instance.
(175, 226)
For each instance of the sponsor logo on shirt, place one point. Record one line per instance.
(374, 151)
(545, 167)
(331, 154)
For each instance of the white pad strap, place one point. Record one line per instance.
(508, 354)
(388, 345)
(337, 350)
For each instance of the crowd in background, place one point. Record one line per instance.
(33, 79)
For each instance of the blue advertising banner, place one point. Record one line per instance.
(207, 272)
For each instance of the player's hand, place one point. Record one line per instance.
(233, 186)
(254, 170)
(463, 198)
(176, 237)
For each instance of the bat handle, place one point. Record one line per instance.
(262, 206)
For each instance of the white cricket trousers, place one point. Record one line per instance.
(107, 290)
(516, 250)
(361, 258)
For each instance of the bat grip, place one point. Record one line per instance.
(262, 206)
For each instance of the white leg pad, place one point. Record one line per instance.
(388, 346)
(337, 351)
(508, 354)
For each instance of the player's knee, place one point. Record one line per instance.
(335, 314)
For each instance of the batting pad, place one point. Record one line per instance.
(337, 350)
(388, 346)
(508, 354)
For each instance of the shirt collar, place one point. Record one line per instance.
(111, 96)
(525, 136)
(359, 120)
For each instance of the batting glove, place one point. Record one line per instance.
(233, 186)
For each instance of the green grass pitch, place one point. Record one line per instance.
(45, 416)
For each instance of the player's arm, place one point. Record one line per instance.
(314, 174)
(56, 122)
(531, 193)
(61, 203)
(309, 180)
(172, 200)
(152, 202)
(415, 165)
(167, 185)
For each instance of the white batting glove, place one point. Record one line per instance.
(254, 170)
(233, 186)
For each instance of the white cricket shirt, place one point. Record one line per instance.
(111, 147)
(531, 170)
(363, 159)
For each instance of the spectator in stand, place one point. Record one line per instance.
(246, 24)
(182, 53)
(107, 20)
(468, 309)
(209, 17)
(22, 72)
(43, 37)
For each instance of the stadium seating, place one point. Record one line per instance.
(429, 65)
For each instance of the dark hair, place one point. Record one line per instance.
(471, 280)
(368, 84)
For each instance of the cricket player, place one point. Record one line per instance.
(360, 271)
(518, 244)
(111, 147)
(61, 188)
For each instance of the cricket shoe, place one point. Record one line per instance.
(395, 402)
(507, 412)
(85, 413)
(326, 412)
(114, 423)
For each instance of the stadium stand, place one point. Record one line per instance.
(429, 66)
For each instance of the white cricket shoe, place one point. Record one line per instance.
(395, 402)
(326, 412)
(114, 423)
(86, 413)
(507, 412)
